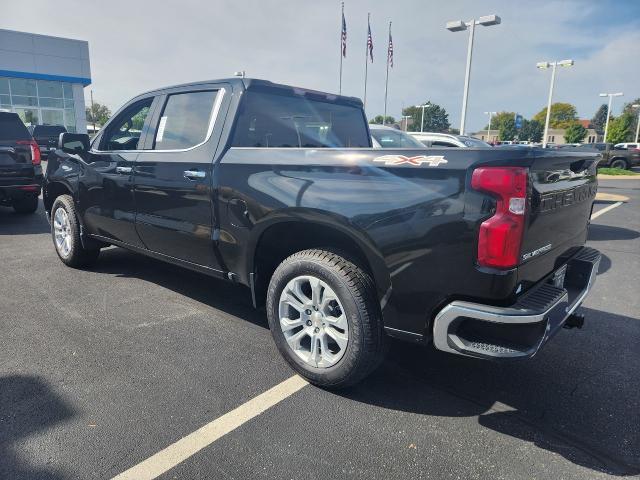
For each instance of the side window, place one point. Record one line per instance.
(442, 144)
(185, 119)
(124, 131)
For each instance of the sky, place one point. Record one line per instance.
(136, 46)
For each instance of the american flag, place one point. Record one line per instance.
(344, 34)
(369, 41)
(390, 51)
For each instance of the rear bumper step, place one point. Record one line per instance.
(517, 331)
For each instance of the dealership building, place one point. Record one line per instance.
(42, 79)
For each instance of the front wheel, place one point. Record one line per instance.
(619, 163)
(65, 230)
(325, 318)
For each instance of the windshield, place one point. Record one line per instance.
(394, 139)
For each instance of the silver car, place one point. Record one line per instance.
(387, 137)
(444, 140)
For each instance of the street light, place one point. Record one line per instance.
(552, 65)
(491, 114)
(635, 105)
(458, 26)
(423, 107)
(606, 125)
(405, 122)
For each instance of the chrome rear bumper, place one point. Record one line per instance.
(517, 331)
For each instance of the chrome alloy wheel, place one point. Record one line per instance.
(313, 321)
(62, 231)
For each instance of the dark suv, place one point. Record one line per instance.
(46, 136)
(20, 169)
(615, 157)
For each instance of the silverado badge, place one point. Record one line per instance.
(431, 160)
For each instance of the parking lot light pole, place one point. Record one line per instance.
(422, 121)
(491, 114)
(636, 105)
(606, 125)
(459, 26)
(553, 65)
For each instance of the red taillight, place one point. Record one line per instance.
(500, 236)
(35, 150)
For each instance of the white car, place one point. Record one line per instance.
(440, 140)
(387, 137)
(627, 146)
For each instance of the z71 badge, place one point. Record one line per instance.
(431, 160)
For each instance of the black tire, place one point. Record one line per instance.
(357, 295)
(77, 257)
(619, 163)
(26, 205)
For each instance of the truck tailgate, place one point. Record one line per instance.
(563, 186)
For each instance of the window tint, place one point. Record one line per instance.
(12, 128)
(285, 121)
(185, 120)
(394, 139)
(48, 131)
(442, 144)
(124, 131)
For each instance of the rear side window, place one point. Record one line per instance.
(274, 120)
(48, 131)
(12, 128)
(185, 120)
(394, 139)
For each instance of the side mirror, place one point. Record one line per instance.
(74, 143)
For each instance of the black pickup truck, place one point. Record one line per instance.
(480, 251)
(20, 165)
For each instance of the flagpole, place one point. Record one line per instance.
(386, 83)
(366, 62)
(341, 47)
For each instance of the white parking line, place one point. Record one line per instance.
(179, 451)
(605, 210)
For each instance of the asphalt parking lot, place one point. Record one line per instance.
(101, 369)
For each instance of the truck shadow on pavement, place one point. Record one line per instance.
(577, 398)
(231, 298)
(28, 406)
(12, 223)
(605, 233)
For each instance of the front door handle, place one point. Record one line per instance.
(194, 174)
(124, 170)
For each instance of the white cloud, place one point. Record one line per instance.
(137, 46)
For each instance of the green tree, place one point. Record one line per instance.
(628, 108)
(531, 130)
(575, 133)
(377, 120)
(498, 119)
(620, 128)
(436, 118)
(563, 115)
(600, 118)
(507, 129)
(98, 114)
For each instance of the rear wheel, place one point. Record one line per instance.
(65, 230)
(325, 318)
(619, 163)
(26, 205)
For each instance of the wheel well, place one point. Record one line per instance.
(53, 191)
(284, 239)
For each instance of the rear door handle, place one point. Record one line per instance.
(194, 174)
(123, 170)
